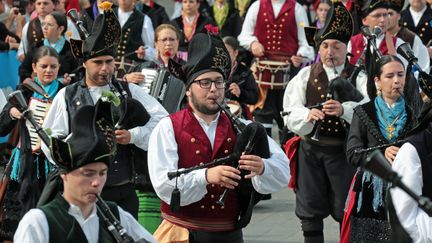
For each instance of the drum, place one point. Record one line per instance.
(234, 107)
(272, 74)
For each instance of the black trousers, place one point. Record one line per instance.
(324, 178)
(197, 236)
(125, 197)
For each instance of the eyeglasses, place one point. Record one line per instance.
(379, 15)
(164, 40)
(48, 25)
(207, 83)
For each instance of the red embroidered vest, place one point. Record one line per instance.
(195, 148)
(277, 34)
(358, 45)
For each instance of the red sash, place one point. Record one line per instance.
(349, 207)
(291, 147)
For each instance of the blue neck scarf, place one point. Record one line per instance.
(51, 89)
(58, 46)
(396, 116)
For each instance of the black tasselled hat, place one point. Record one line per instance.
(207, 52)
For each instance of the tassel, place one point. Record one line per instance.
(175, 199)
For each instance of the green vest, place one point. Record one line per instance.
(64, 228)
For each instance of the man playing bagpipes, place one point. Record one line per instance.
(201, 133)
(98, 52)
(319, 102)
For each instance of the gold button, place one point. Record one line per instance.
(124, 42)
(329, 121)
(226, 151)
(423, 29)
(193, 140)
(269, 43)
(421, 35)
(337, 123)
(228, 139)
(201, 163)
(212, 196)
(34, 32)
(278, 42)
(322, 96)
(213, 185)
(426, 23)
(319, 88)
(336, 130)
(265, 20)
(278, 48)
(280, 31)
(268, 26)
(280, 37)
(274, 48)
(268, 31)
(283, 20)
(274, 42)
(274, 36)
(329, 129)
(281, 25)
(405, 24)
(213, 207)
(202, 206)
(222, 207)
(36, 39)
(322, 128)
(197, 152)
(275, 26)
(316, 80)
(286, 14)
(358, 51)
(265, 14)
(129, 29)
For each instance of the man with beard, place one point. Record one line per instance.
(323, 174)
(98, 53)
(199, 134)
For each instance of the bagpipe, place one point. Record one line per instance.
(17, 99)
(251, 139)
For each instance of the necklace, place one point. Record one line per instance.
(390, 129)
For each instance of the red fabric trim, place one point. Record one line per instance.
(291, 150)
(346, 222)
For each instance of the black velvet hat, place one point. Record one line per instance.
(396, 5)
(206, 53)
(339, 25)
(92, 140)
(104, 37)
(367, 6)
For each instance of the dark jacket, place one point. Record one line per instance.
(233, 23)
(248, 87)
(157, 14)
(68, 62)
(200, 28)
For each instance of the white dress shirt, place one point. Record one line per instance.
(416, 16)
(414, 220)
(57, 118)
(33, 227)
(295, 100)
(247, 36)
(147, 33)
(164, 158)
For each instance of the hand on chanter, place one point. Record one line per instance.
(223, 175)
(252, 163)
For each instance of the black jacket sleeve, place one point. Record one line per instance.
(357, 139)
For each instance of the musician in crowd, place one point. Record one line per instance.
(375, 16)
(241, 84)
(32, 31)
(74, 215)
(323, 174)
(385, 119)
(199, 134)
(412, 163)
(155, 11)
(406, 35)
(98, 54)
(137, 35)
(167, 45)
(54, 28)
(226, 18)
(190, 22)
(416, 17)
(27, 169)
(273, 30)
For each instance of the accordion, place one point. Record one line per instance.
(40, 109)
(163, 86)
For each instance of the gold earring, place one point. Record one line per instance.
(378, 93)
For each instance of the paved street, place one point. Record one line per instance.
(274, 221)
